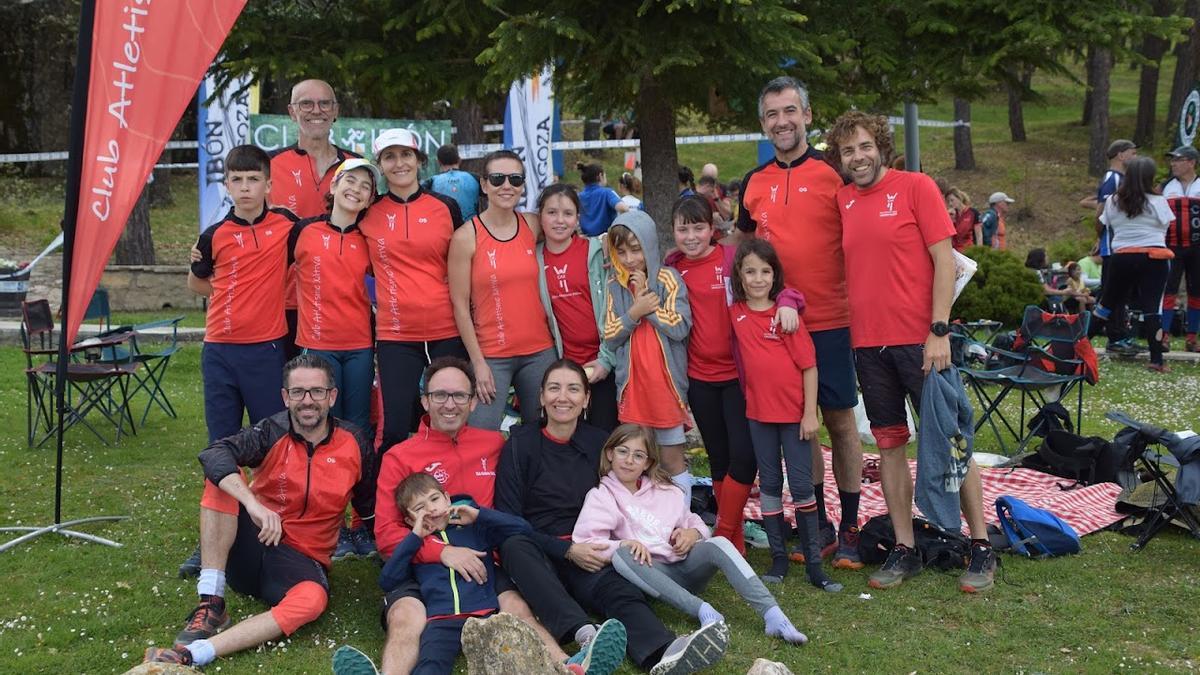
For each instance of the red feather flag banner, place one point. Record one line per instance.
(147, 59)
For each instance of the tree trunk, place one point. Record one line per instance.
(660, 159)
(1088, 98)
(964, 153)
(1152, 50)
(1016, 113)
(1102, 68)
(592, 129)
(160, 187)
(1187, 53)
(467, 119)
(136, 246)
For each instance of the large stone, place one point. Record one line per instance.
(765, 667)
(502, 644)
(148, 287)
(162, 669)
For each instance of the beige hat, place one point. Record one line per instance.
(1000, 197)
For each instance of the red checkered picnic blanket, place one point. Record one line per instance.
(1087, 509)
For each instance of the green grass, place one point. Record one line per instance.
(82, 608)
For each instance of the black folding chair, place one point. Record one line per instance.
(1038, 368)
(1180, 495)
(91, 386)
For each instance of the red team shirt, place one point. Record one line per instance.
(571, 299)
(296, 187)
(772, 363)
(246, 263)
(334, 310)
(710, 353)
(887, 232)
(409, 243)
(795, 208)
(508, 314)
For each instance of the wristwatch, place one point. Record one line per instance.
(939, 328)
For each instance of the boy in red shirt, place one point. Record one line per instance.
(896, 235)
(646, 323)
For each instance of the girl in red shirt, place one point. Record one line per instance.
(494, 288)
(779, 374)
(714, 393)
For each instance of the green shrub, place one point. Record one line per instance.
(1000, 289)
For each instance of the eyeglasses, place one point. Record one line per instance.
(317, 393)
(459, 397)
(514, 179)
(624, 452)
(308, 105)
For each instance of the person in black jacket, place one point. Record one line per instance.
(545, 473)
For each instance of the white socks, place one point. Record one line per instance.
(212, 582)
(202, 652)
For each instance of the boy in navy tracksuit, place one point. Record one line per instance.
(449, 598)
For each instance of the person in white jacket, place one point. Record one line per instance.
(656, 543)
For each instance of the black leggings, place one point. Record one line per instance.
(602, 411)
(1137, 280)
(720, 412)
(401, 365)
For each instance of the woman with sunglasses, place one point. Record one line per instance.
(409, 231)
(494, 276)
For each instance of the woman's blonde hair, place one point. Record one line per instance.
(654, 468)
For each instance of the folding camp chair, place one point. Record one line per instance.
(1042, 367)
(155, 357)
(94, 386)
(98, 309)
(1181, 495)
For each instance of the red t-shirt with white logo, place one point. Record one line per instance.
(710, 350)
(330, 263)
(773, 363)
(571, 300)
(246, 263)
(887, 230)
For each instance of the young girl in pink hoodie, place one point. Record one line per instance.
(656, 543)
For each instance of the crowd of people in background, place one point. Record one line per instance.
(407, 311)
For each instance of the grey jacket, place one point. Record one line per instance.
(673, 319)
(945, 442)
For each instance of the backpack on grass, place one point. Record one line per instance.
(1034, 532)
(939, 549)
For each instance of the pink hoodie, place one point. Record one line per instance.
(611, 514)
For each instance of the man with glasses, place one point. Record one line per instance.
(463, 459)
(1183, 237)
(272, 538)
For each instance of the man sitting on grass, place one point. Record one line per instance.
(273, 537)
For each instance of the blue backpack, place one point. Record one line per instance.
(1034, 532)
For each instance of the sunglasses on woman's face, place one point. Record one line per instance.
(514, 179)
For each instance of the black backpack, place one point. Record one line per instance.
(1050, 418)
(1086, 460)
(939, 549)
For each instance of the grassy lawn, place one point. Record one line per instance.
(82, 608)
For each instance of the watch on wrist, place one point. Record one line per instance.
(939, 328)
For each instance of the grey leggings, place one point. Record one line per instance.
(769, 438)
(676, 583)
(524, 373)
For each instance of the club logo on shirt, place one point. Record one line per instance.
(891, 205)
(483, 471)
(439, 474)
(740, 317)
(802, 188)
(325, 240)
(422, 220)
(296, 175)
(560, 274)
(391, 222)
(238, 238)
(330, 460)
(850, 203)
(774, 191)
(492, 258)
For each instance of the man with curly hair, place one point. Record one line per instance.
(896, 235)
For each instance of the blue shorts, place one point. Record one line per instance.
(837, 386)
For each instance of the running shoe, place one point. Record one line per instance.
(363, 540)
(981, 570)
(208, 619)
(694, 652)
(349, 661)
(604, 652)
(902, 563)
(177, 655)
(755, 535)
(847, 556)
(191, 566)
(829, 544)
(1160, 368)
(345, 546)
